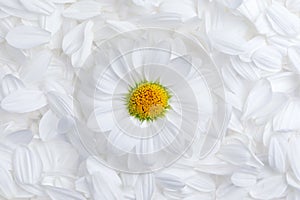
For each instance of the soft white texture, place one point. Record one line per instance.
(44, 44)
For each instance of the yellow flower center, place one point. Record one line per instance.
(147, 101)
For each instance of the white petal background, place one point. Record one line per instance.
(256, 45)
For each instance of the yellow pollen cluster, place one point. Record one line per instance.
(147, 101)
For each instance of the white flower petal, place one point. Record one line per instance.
(23, 101)
(245, 69)
(144, 187)
(267, 58)
(61, 193)
(293, 5)
(48, 125)
(229, 191)
(277, 155)
(36, 67)
(264, 114)
(101, 118)
(15, 8)
(294, 195)
(20, 137)
(60, 104)
(283, 21)
(237, 154)
(10, 83)
(65, 124)
(121, 26)
(38, 6)
(181, 65)
(79, 57)
(202, 183)
(119, 141)
(293, 153)
(287, 119)
(169, 181)
(102, 190)
(83, 10)
(9, 188)
(242, 179)
(57, 156)
(269, 188)
(161, 20)
(227, 43)
(285, 82)
(185, 8)
(94, 166)
(73, 40)
(26, 37)
(258, 97)
(27, 166)
(294, 57)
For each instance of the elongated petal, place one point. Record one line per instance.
(83, 10)
(293, 153)
(36, 67)
(144, 187)
(38, 6)
(48, 126)
(60, 104)
(61, 193)
(169, 181)
(283, 21)
(287, 119)
(20, 137)
(79, 57)
(10, 83)
(26, 37)
(267, 58)
(27, 166)
(277, 155)
(258, 97)
(23, 101)
(226, 43)
(269, 188)
(202, 183)
(241, 179)
(294, 57)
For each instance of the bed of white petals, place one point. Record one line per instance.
(256, 46)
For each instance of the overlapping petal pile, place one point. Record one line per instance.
(56, 123)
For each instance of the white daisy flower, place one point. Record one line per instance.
(149, 102)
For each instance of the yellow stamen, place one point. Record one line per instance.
(147, 101)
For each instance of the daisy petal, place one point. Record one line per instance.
(20, 137)
(277, 155)
(38, 6)
(36, 67)
(293, 153)
(83, 10)
(202, 183)
(241, 179)
(10, 83)
(169, 181)
(27, 166)
(294, 57)
(269, 188)
(287, 119)
(23, 101)
(61, 193)
(144, 187)
(47, 126)
(283, 21)
(226, 43)
(26, 37)
(258, 97)
(267, 58)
